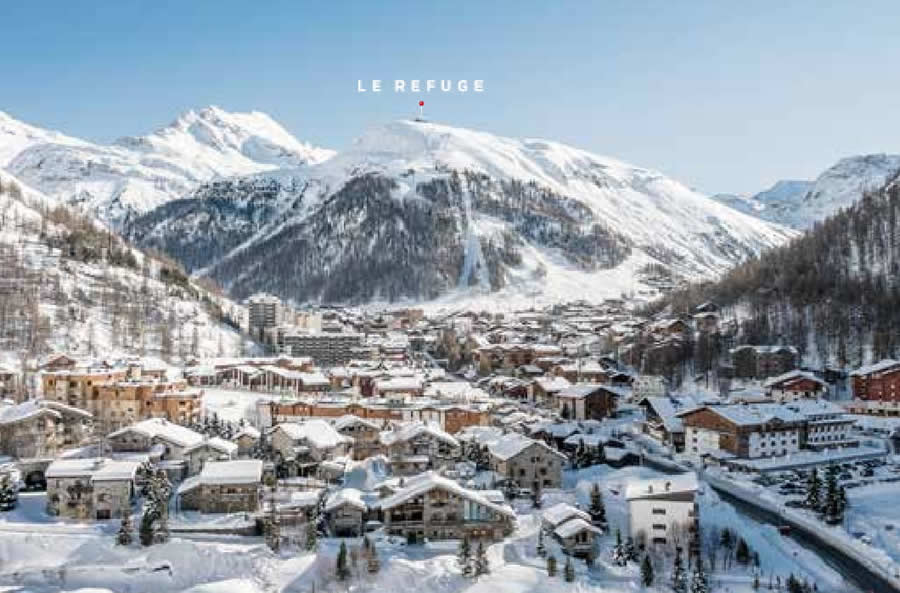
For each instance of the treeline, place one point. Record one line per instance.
(833, 292)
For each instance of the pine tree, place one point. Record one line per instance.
(620, 557)
(126, 531)
(631, 551)
(551, 566)
(464, 556)
(679, 577)
(312, 537)
(834, 512)
(813, 487)
(793, 585)
(699, 581)
(569, 570)
(597, 510)
(482, 566)
(646, 571)
(342, 571)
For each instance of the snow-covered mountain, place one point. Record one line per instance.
(68, 284)
(421, 211)
(800, 204)
(136, 174)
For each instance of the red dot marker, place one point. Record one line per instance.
(421, 103)
(421, 109)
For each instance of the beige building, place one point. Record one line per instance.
(346, 512)
(316, 440)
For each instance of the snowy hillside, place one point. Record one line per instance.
(800, 204)
(137, 174)
(417, 210)
(71, 286)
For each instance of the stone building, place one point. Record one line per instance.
(41, 428)
(529, 463)
(223, 487)
(90, 489)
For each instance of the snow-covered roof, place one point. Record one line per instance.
(662, 487)
(514, 443)
(319, 433)
(791, 376)
(414, 430)
(94, 468)
(562, 512)
(163, 429)
(552, 384)
(10, 412)
(348, 420)
(428, 481)
(878, 367)
(346, 496)
(217, 443)
(751, 414)
(248, 431)
(240, 471)
(574, 526)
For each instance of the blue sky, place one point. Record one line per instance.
(725, 96)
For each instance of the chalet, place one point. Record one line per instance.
(588, 401)
(572, 528)
(746, 431)
(90, 489)
(876, 388)
(794, 385)
(399, 388)
(41, 428)
(212, 449)
(223, 487)
(707, 321)
(345, 512)
(416, 446)
(365, 434)
(246, 439)
(168, 439)
(316, 439)
(661, 419)
(529, 463)
(434, 507)
(545, 389)
(663, 510)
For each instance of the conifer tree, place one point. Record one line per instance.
(8, 497)
(464, 556)
(551, 566)
(813, 488)
(620, 554)
(597, 510)
(482, 566)
(312, 537)
(342, 570)
(541, 549)
(742, 552)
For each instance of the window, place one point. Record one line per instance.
(659, 526)
(659, 511)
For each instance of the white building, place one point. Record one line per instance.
(663, 510)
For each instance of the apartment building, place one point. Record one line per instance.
(663, 510)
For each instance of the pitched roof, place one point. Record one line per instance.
(217, 443)
(350, 420)
(346, 496)
(163, 429)
(562, 512)
(317, 432)
(878, 367)
(791, 376)
(414, 430)
(430, 480)
(239, 471)
(573, 526)
(514, 443)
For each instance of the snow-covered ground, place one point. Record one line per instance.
(233, 404)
